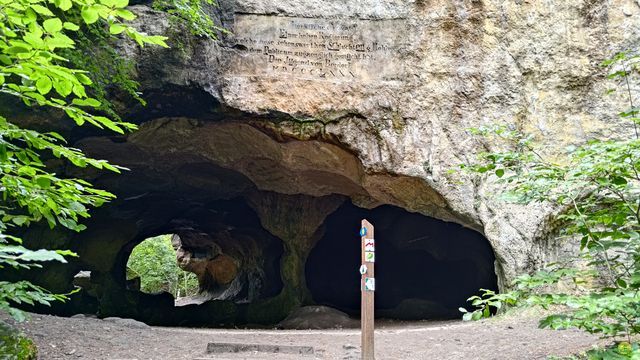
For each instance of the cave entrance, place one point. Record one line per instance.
(266, 224)
(215, 251)
(425, 268)
(153, 268)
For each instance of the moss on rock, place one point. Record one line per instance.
(14, 345)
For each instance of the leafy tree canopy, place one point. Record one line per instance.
(34, 35)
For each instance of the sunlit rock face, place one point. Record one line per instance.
(262, 150)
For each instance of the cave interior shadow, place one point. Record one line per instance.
(425, 268)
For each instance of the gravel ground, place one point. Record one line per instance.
(510, 337)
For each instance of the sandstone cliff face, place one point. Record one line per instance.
(435, 69)
(309, 108)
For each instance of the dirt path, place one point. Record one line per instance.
(513, 337)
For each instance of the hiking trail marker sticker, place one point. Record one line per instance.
(369, 284)
(369, 256)
(367, 288)
(363, 269)
(363, 231)
(369, 245)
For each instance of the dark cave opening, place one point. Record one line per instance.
(425, 268)
(222, 244)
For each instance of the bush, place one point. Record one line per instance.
(154, 262)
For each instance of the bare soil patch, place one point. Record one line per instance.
(511, 337)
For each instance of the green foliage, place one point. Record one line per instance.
(33, 37)
(488, 302)
(154, 262)
(194, 14)
(109, 72)
(597, 187)
(619, 351)
(24, 292)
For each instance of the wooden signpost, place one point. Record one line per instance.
(367, 287)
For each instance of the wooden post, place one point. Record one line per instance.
(367, 288)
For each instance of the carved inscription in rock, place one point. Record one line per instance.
(311, 48)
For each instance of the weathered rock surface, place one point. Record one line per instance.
(127, 322)
(433, 69)
(317, 317)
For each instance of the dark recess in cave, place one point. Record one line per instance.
(425, 268)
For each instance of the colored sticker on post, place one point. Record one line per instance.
(363, 231)
(369, 256)
(369, 245)
(370, 284)
(363, 269)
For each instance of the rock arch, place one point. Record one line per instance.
(247, 210)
